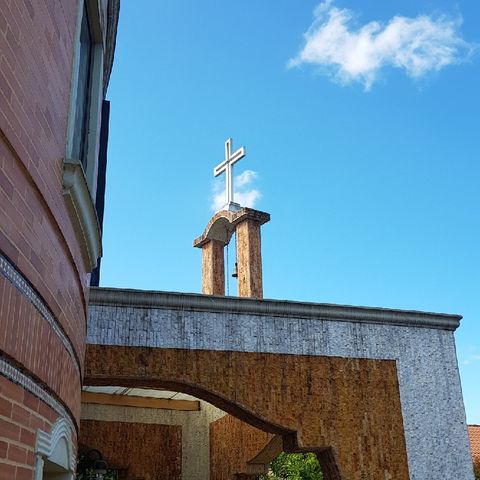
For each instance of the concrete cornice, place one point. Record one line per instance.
(113, 12)
(82, 212)
(272, 308)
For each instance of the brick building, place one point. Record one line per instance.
(56, 58)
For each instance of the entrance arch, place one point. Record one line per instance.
(346, 409)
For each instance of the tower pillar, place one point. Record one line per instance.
(246, 223)
(249, 259)
(213, 268)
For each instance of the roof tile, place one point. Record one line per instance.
(474, 435)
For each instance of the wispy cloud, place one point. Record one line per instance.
(347, 53)
(471, 359)
(472, 356)
(245, 195)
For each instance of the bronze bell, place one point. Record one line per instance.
(235, 271)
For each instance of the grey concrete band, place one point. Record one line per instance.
(271, 308)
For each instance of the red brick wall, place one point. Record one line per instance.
(36, 41)
(21, 414)
(36, 234)
(27, 337)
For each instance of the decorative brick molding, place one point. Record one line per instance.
(23, 286)
(15, 375)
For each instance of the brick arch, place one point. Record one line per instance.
(349, 405)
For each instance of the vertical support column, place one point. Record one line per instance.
(246, 222)
(213, 269)
(249, 259)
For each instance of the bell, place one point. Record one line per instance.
(235, 271)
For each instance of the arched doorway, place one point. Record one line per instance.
(347, 407)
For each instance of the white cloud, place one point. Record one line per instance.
(248, 198)
(244, 195)
(418, 45)
(472, 356)
(244, 178)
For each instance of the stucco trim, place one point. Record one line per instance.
(272, 308)
(47, 443)
(82, 213)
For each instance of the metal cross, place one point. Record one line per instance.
(226, 166)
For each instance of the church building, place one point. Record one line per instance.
(141, 385)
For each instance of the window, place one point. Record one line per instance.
(87, 92)
(82, 103)
(83, 137)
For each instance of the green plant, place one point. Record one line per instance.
(294, 466)
(89, 474)
(476, 469)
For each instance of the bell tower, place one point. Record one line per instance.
(245, 223)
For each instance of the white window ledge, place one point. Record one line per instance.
(82, 212)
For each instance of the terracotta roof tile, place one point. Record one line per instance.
(474, 435)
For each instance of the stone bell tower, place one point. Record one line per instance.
(245, 223)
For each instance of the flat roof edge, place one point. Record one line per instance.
(276, 308)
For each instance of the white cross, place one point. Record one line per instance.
(227, 167)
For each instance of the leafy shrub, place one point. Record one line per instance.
(89, 474)
(476, 469)
(294, 466)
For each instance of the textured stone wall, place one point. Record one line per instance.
(249, 259)
(352, 405)
(420, 345)
(150, 451)
(213, 268)
(194, 425)
(232, 444)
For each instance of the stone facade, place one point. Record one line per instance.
(245, 223)
(235, 353)
(145, 450)
(195, 447)
(232, 444)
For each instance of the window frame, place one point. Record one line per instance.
(80, 183)
(95, 93)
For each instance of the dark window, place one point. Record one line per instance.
(101, 181)
(84, 59)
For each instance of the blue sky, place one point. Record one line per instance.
(362, 142)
